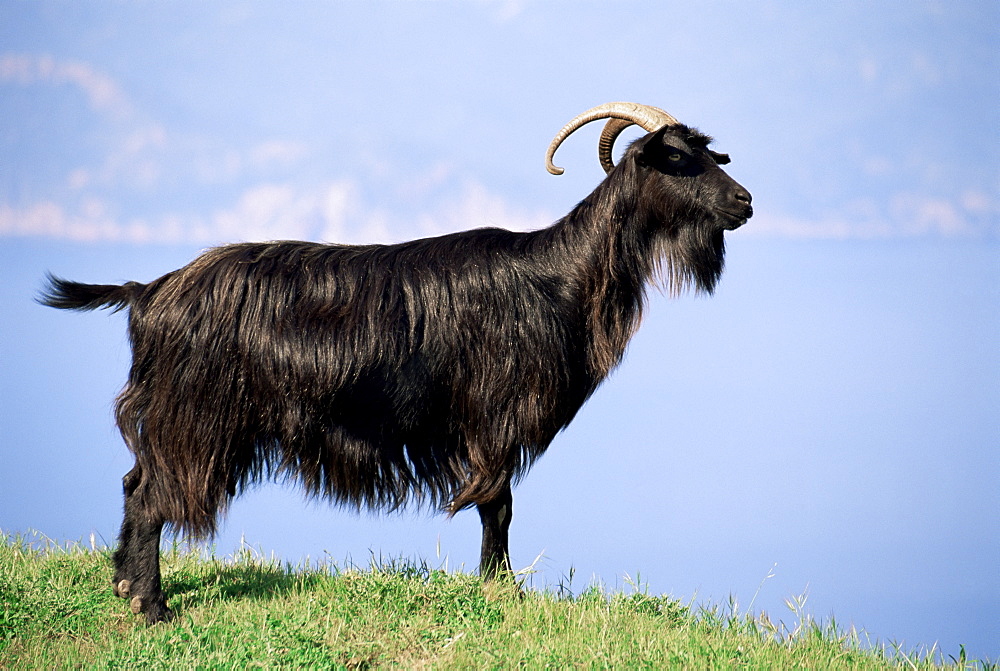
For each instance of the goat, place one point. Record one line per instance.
(435, 370)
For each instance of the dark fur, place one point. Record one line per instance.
(435, 370)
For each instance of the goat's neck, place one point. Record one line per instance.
(608, 246)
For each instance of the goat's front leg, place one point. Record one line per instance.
(495, 515)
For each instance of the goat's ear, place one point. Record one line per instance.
(721, 159)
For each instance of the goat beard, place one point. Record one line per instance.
(691, 257)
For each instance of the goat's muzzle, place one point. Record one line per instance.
(738, 210)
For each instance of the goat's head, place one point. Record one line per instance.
(682, 201)
(676, 158)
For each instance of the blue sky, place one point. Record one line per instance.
(832, 409)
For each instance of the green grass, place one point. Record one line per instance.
(246, 611)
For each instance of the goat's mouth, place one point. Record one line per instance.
(733, 220)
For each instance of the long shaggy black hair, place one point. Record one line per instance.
(434, 370)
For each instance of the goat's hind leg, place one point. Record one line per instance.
(137, 559)
(122, 581)
(146, 589)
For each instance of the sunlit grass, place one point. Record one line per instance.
(251, 611)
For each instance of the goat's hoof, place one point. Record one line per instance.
(122, 588)
(158, 612)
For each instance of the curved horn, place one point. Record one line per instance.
(606, 144)
(622, 116)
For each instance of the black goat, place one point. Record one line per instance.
(436, 370)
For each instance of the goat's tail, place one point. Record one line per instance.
(67, 295)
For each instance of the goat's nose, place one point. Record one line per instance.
(743, 197)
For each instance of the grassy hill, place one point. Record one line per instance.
(58, 611)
